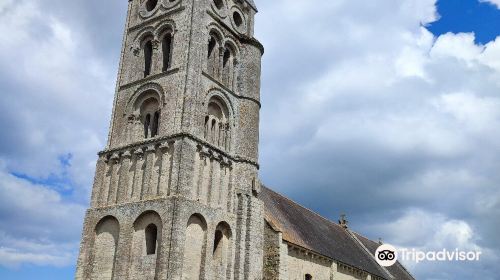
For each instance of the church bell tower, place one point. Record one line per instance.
(175, 193)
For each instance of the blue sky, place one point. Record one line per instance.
(392, 123)
(482, 18)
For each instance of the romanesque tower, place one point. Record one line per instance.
(175, 190)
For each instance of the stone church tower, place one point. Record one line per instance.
(175, 194)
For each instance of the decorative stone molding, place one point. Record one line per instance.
(175, 137)
(136, 50)
(150, 87)
(222, 12)
(151, 148)
(115, 158)
(127, 155)
(351, 269)
(153, 18)
(164, 146)
(139, 153)
(164, 5)
(156, 44)
(307, 253)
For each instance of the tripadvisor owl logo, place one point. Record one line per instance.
(386, 255)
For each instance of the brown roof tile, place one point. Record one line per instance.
(397, 270)
(307, 229)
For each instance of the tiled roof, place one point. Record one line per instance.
(397, 270)
(311, 231)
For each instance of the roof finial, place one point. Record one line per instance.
(343, 222)
(380, 241)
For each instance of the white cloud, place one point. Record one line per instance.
(460, 46)
(38, 226)
(56, 95)
(360, 102)
(475, 113)
(384, 120)
(435, 232)
(14, 254)
(494, 2)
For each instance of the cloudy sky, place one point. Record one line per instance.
(387, 110)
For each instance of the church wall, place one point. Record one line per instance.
(248, 123)
(248, 72)
(145, 251)
(104, 251)
(284, 261)
(136, 173)
(127, 236)
(346, 275)
(183, 236)
(194, 249)
(272, 254)
(300, 263)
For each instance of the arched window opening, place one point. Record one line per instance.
(227, 56)
(227, 68)
(107, 232)
(145, 246)
(150, 117)
(308, 277)
(151, 234)
(214, 130)
(154, 125)
(217, 124)
(151, 4)
(222, 250)
(147, 123)
(206, 127)
(213, 57)
(167, 51)
(211, 46)
(195, 248)
(217, 241)
(148, 57)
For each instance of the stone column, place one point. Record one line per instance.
(98, 179)
(123, 183)
(114, 178)
(333, 270)
(122, 256)
(138, 175)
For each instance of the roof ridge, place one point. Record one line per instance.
(348, 232)
(399, 263)
(353, 236)
(317, 214)
(361, 235)
(303, 207)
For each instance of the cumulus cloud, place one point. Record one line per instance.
(37, 225)
(366, 112)
(56, 96)
(435, 232)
